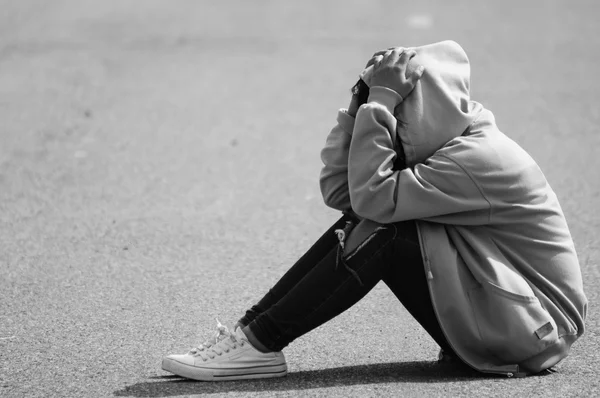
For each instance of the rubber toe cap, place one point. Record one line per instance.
(182, 359)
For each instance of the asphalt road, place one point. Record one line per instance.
(159, 164)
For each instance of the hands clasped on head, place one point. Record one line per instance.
(391, 70)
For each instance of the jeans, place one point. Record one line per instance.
(318, 288)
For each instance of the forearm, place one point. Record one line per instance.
(334, 174)
(371, 161)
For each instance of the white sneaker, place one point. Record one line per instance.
(227, 356)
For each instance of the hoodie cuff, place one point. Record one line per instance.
(385, 96)
(345, 121)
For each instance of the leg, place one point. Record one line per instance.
(392, 255)
(327, 290)
(323, 292)
(238, 355)
(303, 266)
(409, 284)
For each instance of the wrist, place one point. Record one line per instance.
(385, 96)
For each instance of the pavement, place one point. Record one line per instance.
(159, 165)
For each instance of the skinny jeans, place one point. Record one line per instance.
(324, 282)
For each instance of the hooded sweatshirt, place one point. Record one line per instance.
(502, 270)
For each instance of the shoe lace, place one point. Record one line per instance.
(231, 342)
(221, 334)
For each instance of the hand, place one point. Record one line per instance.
(379, 53)
(355, 102)
(360, 95)
(353, 107)
(390, 70)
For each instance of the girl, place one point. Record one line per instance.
(441, 206)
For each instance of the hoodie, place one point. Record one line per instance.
(502, 270)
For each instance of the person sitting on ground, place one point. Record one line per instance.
(451, 214)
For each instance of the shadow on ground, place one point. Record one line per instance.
(404, 372)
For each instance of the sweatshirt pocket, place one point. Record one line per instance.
(512, 327)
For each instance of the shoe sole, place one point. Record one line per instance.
(220, 374)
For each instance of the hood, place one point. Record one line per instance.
(439, 108)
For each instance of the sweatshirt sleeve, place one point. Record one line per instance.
(334, 174)
(437, 190)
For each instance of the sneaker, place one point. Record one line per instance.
(227, 356)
